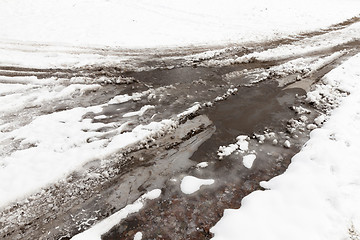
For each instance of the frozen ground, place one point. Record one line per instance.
(174, 96)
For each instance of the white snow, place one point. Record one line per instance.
(242, 145)
(190, 184)
(308, 45)
(287, 144)
(202, 165)
(56, 144)
(138, 236)
(125, 98)
(248, 160)
(18, 97)
(128, 23)
(140, 112)
(95, 232)
(37, 34)
(319, 194)
(227, 150)
(190, 110)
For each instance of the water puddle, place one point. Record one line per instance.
(179, 216)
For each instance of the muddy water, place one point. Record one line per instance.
(179, 216)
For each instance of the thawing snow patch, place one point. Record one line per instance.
(242, 145)
(248, 160)
(190, 184)
(138, 236)
(202, 165)
(95, 232)
(190, 110)
(140, 112)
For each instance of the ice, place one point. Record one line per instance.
(190, 184)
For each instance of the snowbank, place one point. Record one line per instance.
(318, 196)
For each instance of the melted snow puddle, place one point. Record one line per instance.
(213, 185)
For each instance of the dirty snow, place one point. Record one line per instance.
(190, 184)
(95, 232)
(318, 195)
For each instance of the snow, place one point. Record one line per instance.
(202, 165)
(140, 112)
(242, 145)
(54, 145)
(248, 160)
(36, 36)
(17, 97)
(227, 150)
(125, 98)
(306, 46)
(95, 232)
(106, 32)
(163, 23)
(318, 195)
(287, 144)
(190, 184)
(190, 110)
(138, 236)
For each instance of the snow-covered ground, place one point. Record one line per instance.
(318, 196)
(315, 199)
(157, 23)
(79, 33)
